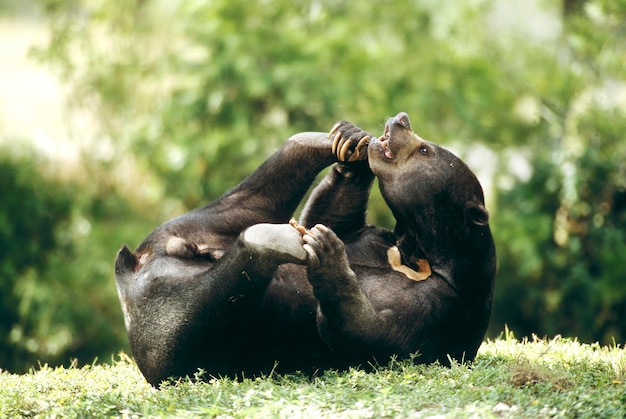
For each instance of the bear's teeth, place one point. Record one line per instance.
(387, 149)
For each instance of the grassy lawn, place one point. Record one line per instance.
(541, 378)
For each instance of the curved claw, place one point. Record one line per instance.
(363, 142)
(357, 150)
(334, 128)
(336, 142)
(345, 148)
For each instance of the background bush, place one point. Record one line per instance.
(191, 96)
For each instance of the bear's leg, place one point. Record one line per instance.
(248, 265)
(346, 319)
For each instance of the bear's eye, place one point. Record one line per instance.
(424, 150)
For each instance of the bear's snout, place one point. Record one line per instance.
(401, 119)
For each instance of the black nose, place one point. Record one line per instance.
(403, 119)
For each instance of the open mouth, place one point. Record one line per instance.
(398, 122)
(385, 141)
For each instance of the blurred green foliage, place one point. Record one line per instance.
(32, 214)
(56, 299)
(192, 95)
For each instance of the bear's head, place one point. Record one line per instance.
(437, 201)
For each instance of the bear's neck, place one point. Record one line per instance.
(441, 246)
(419, 238)
(449, 255)
(412, 249)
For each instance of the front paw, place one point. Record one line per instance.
(349, 142)
(324, 249)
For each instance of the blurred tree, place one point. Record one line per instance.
(562, 230)
(573, 6)
(206, 90)
(31, 213)
(58, 238)
(55, 296)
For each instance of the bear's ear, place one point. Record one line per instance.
(125, 263)
(477, 214)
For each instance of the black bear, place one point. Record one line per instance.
(235, 290)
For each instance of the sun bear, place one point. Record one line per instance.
(235, 289)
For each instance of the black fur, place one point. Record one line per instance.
(222, 290)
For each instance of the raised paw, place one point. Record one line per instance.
(323, 247)
(349, 142)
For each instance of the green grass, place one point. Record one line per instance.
(541, 378)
